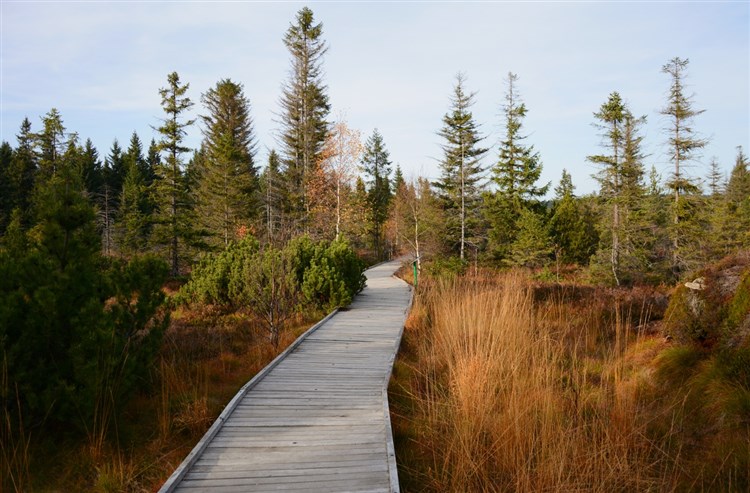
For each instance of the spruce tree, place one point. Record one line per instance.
(515, 174)
(683, 144)
(51, 143)
(227, 182)
(304, 109)
(133, 219)
(271, 191)
(377, 168)
(91, 170)
(572, 228)
(459, 186)
(170, 189)
(21, 173)
(621, 179)
(7, 193)
(733, 215)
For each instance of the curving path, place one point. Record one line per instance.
(315, 419)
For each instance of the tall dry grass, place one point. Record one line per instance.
(506, 393)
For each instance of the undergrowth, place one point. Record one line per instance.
(503, 384)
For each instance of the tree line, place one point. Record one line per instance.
(636, 228)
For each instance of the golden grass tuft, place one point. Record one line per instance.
(512, 394)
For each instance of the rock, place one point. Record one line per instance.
(697, 285)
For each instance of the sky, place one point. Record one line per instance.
(390, 66)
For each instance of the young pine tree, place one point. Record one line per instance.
(170, 190)
(460, 184)
(621, 180)
(377, 168)
(227, 182)
(515, 174)
(682, 144)
(304, 109)
(572, 228)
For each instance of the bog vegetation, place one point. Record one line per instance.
(141, 289)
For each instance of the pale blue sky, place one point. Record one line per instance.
(390, 66)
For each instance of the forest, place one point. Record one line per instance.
(141, 286)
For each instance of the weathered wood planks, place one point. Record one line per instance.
(315, 419)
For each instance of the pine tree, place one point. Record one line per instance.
(271, 191)
(515, 174)
(7, 193)
(733, 215)
(133, 219)
(683, 143)
(151, 163)
(621, 180)
(460, 185)
(532, 246)
(51, 143)
(22, 171)
(227, 182)
(305, 107)
(377, 168)
(572, 228)
(170, 187)
(91, 170)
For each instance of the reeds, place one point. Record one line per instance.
(513, 394)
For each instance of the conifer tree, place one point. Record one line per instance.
(170, 191)
(21, 173)
(515, 174)
(91, 170)
(227, 182)
(7, 194)
(733, 215)
(51, 143)
(683, 144)
(133, 219)
(151, 163)
(304, 108)
(621, 179)
(377, 168)
(572, 229)
(271, 191)
(459, 186)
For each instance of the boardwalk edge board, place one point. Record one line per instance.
(192, 457)
(390, 446)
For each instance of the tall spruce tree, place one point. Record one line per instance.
(227, 182)
(515, 174)
(621, 180)
(304, 109)
(377, 168)
(683, 144)
(170, 191)
(460, 182)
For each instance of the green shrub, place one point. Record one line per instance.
(211, 278)
(334, 276)
(446, 267)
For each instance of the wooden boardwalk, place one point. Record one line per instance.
(316, 419)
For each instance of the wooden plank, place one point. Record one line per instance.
(317, 419)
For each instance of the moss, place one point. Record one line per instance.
(739, 307)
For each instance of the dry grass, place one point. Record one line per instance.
(499, 391)
(206, 357)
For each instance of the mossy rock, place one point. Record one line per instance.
(717, 313)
